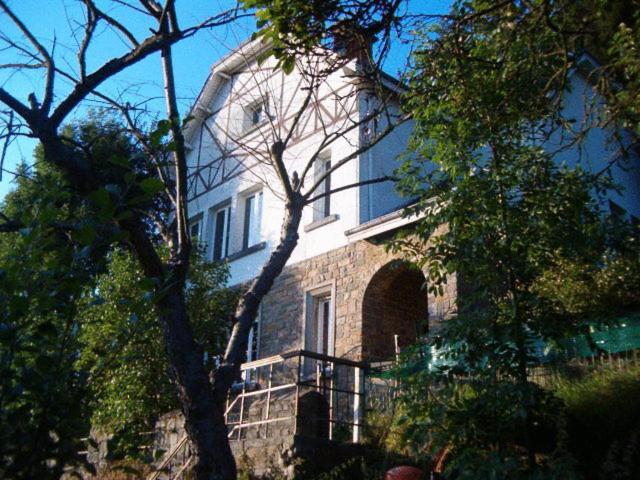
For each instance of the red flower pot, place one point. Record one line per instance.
(404, 473)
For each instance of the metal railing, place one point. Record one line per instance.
(175, 462)
(294, 393)
(299, 393)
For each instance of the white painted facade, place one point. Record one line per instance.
(228, 156)
(236, 84)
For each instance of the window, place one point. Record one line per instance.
(252, 218)
(319, 335)
(221, 219)
(253, 346)
(319, 326)
(322, 206)
(195, 229)
(322, 320)
(254, 336)
(255, 114)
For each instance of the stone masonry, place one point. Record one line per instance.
(350, 270)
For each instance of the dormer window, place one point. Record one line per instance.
(256, 113)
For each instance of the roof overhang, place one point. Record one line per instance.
(382, 227)
(221, 71)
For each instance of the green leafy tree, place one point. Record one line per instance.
(500, 211)
(121, 345)
(42, 276)
(49, 257)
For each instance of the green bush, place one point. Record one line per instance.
(603, 421)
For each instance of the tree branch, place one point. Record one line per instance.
(47, 59)
(363, 183)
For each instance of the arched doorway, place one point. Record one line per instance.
(394, 303)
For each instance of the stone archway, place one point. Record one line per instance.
(394, 303)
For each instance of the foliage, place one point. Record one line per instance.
(500, 211)
(620, 35)
(296, 27)
(479, 426)
(122, 347)
(595, 288)
(46, 270)
(43, 272)
(602, 418)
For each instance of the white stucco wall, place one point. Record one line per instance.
(248, 82)
(285, 96)
(599, 150)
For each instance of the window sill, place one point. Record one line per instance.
(247, 251)
(252, 128)
(319, 223)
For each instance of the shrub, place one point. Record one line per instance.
(602, 416)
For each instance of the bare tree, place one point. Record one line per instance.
(271, 153)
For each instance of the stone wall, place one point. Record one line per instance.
(282, 451)
(349, 270)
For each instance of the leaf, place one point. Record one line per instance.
(100, 198)
(86, 235)
(288, 64)
(120, 161)
(162, 129)
(151, 185)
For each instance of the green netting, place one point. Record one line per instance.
(622, 336)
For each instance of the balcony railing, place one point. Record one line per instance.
(299, 393)
(294, 393)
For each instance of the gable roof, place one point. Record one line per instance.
(221, 71)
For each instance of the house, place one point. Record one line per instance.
(341, 294)
(342, 302)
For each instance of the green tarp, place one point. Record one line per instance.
(624, 335)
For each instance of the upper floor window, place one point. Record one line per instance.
(322, 206)
(221, 224)
(252, 219)
(255, 113)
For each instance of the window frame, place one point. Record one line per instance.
(197, 221)
(314, 298)
(251, 212)
(226, 229)
(250, 376)
(260, 106)
(322, 206)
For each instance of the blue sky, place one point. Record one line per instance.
(57, 20)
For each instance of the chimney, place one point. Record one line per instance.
(351, 41)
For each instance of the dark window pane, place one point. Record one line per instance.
(248, 208)
(219, 236)
(195, 230)
(322, 206)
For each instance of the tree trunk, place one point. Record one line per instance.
(247, 308)
(204, 417)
